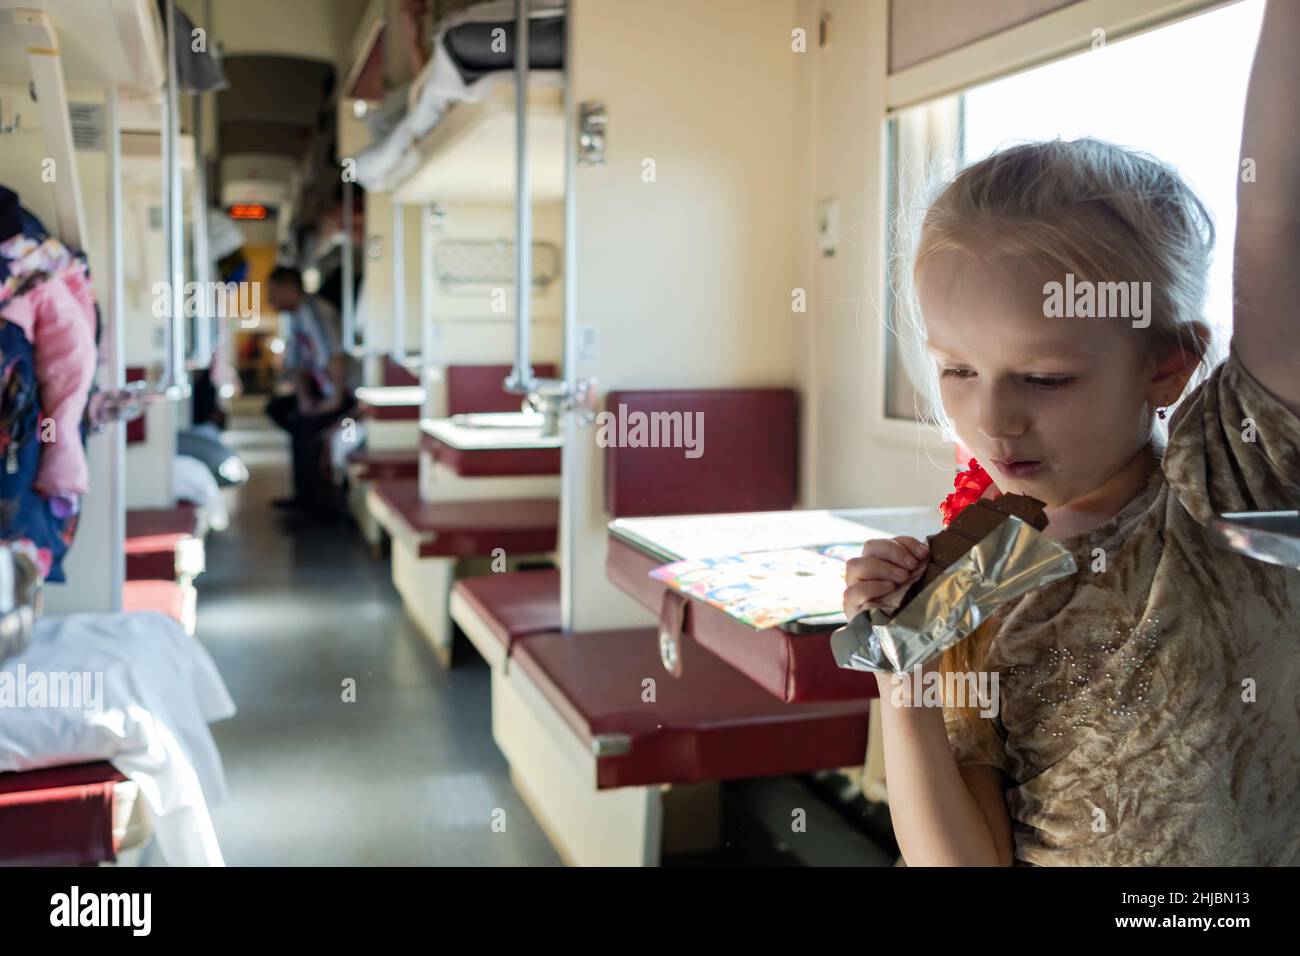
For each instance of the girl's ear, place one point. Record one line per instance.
(1175, 367)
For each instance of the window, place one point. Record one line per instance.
(1177, 92)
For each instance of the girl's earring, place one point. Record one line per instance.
(1161, 412)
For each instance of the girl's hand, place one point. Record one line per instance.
(881, 577)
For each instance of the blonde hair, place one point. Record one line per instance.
(1100, 211)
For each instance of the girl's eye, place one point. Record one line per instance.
(1048, 381)
(957, 373)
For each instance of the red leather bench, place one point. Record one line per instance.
(743, 428)
(661, 481)
(713, 723)
(152, 537)
(514, 605)
(384, 465)
(466, 529)
(166, 597)
(477, 388)
(59, 816)
(397, 375)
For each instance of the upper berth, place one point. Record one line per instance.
(103, 44)
(456, 138)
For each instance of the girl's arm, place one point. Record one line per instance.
(1266, 326)
(943, 815)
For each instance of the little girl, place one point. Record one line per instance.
(1150, 704)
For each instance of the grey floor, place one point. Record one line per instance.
(406, 775)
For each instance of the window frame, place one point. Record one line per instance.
(1052, 37)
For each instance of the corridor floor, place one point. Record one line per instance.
(408, 774)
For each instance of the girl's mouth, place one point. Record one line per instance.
(1016, 469)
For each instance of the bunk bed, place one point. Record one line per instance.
(461, 106)
(80, 783)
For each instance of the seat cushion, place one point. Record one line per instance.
(153, 536)
(144, 522)
(59, 816)
(477, 388)
(397, 375)
(515, 604)
(712, 723)
(745, 460)
(465, 529)
(384, 464)
(166, 597)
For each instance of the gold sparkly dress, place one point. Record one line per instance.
(1150, 705)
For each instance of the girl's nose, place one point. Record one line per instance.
(1001, 414)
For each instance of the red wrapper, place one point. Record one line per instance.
(969, 486)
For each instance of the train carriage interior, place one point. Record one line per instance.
(792, 514)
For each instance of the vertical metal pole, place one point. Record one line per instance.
(398, 350)
(113, 344)
(521, 377)
(174, 380)
(570, 505)
(202, 259)
(426, 294)
(349, 302)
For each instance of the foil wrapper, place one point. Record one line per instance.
(1011, 560)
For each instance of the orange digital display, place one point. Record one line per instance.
(248, 210)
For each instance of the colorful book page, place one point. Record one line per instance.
(763, 588)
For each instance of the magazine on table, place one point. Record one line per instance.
(766, 588)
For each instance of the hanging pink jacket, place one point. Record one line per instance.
(57, 314)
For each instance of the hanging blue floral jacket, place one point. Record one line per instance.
(42, 527)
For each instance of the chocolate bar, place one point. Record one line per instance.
(971, 526)
(979, 563)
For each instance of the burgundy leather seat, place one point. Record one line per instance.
(515, 605)
(661, 481)
(59, 816)
(743, 428)
(713, 723)
(167, 597)
(385, 464)
(152, 537)
(465, 529)
(477, 388)
(397, 375)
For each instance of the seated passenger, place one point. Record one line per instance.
(324, 382)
